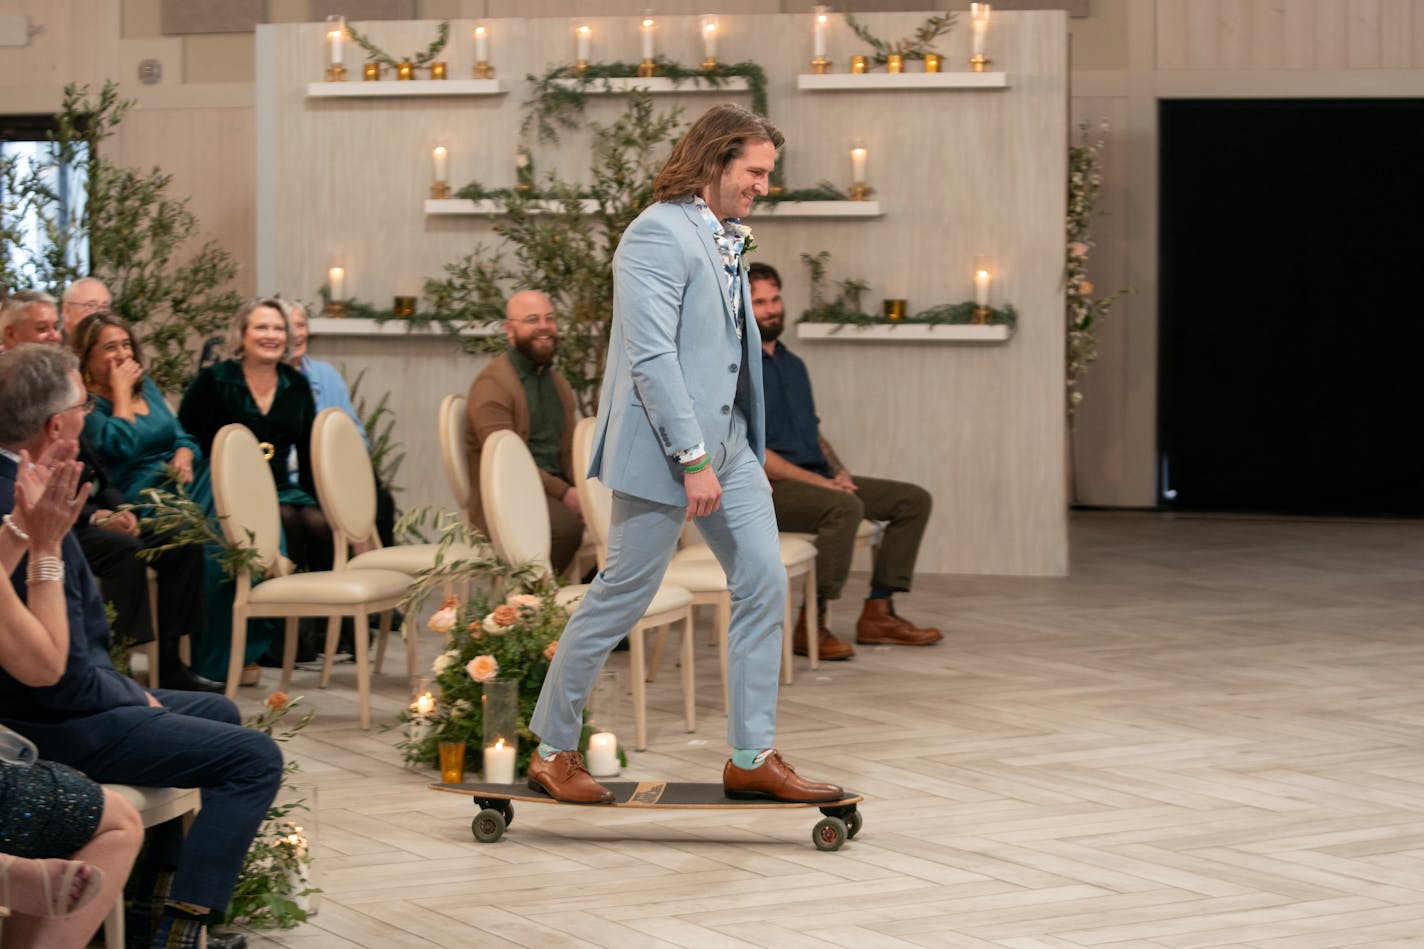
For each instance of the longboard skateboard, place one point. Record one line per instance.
(841, 820)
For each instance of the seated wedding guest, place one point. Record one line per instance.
(48, 810)
(329, 391)
(103, 724)
(137, 441)
(82, 297)
(29, 316)
(111, 541)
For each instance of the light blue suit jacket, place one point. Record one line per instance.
(673, 357)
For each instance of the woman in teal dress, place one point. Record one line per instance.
(257, 389)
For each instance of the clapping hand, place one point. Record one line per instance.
(46, 503)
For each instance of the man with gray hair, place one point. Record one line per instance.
(29, 317)
(84, 296)
(103, 724)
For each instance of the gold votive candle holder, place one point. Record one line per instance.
(895, 63)
(860, 192)
(405, 71)
(931, 62)
(980, 63)
(820, 65)
(452, 762)
(403, 307)
(440, 190)
(895, 309)
(437, 70)
(482, 70)
(857, 64)
(336, 73)
(646, 69)
(980, 316)
(371, 72)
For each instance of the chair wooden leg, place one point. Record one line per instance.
(640, 688)
(689, 683)
(813, 642)
(786, 632)
(722, 617)
(289, 653)
(363, 666)
(333, 636)
(659, 642)
(412, 643)
(237, 649)
(381, 643)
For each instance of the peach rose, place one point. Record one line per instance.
(482, 668)
(277, 700)
(550, 649)
(444, 620)
(506, 615)
(523, 601)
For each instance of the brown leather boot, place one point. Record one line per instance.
(828, 647)
(879, 624)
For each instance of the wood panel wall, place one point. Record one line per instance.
(959, 174)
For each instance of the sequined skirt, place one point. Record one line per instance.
(47, 809)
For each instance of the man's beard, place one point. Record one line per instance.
(526, 346)
(770, 331)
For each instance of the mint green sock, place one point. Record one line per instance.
(748, 758)
(547, 751)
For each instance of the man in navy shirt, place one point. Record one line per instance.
(813, 492)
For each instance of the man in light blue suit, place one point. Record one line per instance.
(680, 435)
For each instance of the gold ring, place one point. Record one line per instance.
(268, 450)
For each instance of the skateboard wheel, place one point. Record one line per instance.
(829, 833)
(507, 809)
(488, 826)
(853, 821)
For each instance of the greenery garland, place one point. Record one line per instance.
(824, 191)
(928, 31)
(1084, 180)
(378, 55)
(846, 310)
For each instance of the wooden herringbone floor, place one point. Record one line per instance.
(1210, 735)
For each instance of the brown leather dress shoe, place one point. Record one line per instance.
(879, 624)
(828, 647)
(566, 779)
(777, 780)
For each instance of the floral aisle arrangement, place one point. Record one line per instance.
(1084, 179)
(512, 639)
(275, 883)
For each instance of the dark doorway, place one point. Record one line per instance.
(1292, 306)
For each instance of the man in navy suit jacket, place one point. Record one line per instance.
(104, 724)
(680, 435)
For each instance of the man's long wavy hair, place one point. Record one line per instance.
(713, 142)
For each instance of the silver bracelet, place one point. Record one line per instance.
(45, 570)
(19, 531)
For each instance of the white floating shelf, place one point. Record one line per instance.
(656, 85)
(390, 88)
(905, 332)
(815, 82)
(466, 207)
(797, 209)
(353, 326)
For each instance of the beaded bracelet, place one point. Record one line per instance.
(17, 529)
(693, 469)
(45, 570)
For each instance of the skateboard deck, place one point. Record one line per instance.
(841, 820)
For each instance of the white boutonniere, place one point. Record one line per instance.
(745, 233)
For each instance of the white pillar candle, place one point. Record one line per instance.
(603, 754)
(981, 286)
(648, 27)
(857, 165)
(499, 763)
(821, 20)
(336, 279)
(583, 37)
(335, 33)
(709, 37)
(979, 12)
(441, 159)
(481, 45)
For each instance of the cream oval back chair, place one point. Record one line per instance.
(518, 517)
(704, 580)
(246, 501)
(346, 488)
(452, 448)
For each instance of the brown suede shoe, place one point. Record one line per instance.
(879, 624)
(828, 647)
(777, 780)
(566, 779)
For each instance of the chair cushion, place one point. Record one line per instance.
(699, 576)
(159, 805)
(331, 588)
(793, 552)
(410, 559)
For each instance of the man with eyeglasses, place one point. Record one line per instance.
(111, 539)
(85, 296)
(520, 390)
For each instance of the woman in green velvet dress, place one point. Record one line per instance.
(255, 388)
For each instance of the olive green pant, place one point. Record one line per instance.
(833, 516)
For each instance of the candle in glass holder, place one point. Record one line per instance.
(335, 32)
(336, 280)
(481, 45)
(709, 38)
(982, 279)
(441, 159)
(584, 34)
(421, 710)
(858, 156)
(648, 27)
(821, 20)
(602, 754)
(499, 763)
(979, 21)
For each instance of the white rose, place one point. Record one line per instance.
(443, 620)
